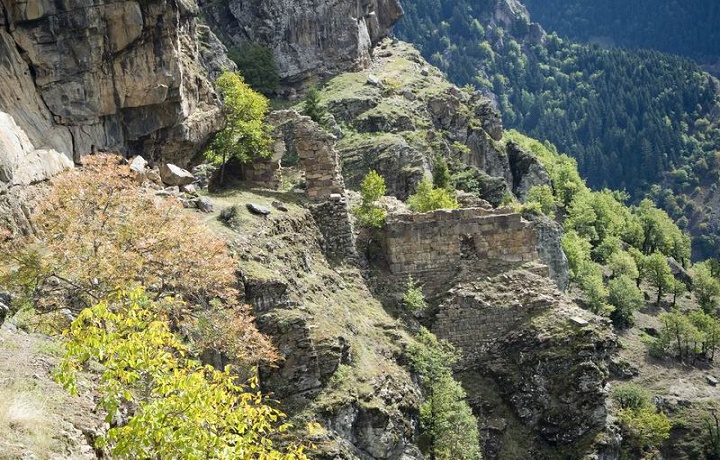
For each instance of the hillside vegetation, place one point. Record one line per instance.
(631, 118)
(688, 28)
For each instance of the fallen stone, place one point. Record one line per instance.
(425, 71)
(712, 380)
(372, 80)
(579, 321)
(409, 95)
(204, 204)
(279, 206)
(257, 209)
(137, 169)
(138, 164)
(174, 175)
(189, 189)
(153, 175)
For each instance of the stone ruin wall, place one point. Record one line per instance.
(435, 242)
(324, 185)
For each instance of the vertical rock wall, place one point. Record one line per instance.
(310, 39)
(85, 75)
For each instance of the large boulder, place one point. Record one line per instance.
(175, 176)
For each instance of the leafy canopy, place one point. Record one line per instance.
(449, 429)
(369, 213)
(256, 64)
(245, 135)
(97, 230)
(176, 407)
(429, 198)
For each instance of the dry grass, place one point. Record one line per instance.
(36, 415)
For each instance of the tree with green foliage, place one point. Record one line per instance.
(644, 429)
(657, 273)
(176, 407)
(448, 426)
(441, 173)
(257, 65)
(543, 196)
(677, 289)
(591, 284)
(689, 336)
(622, 263)
(660, 234)
(631, 396)
(577, 251)
(428, 198)
(413, 299)
(640, 262)
(245, 134)
(312, 107)
(706, 288)
(626, 298)
(369, 213)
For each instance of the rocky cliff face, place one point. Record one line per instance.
(84, 75)
(310, 39)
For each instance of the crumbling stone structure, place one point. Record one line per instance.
(315, 149)
(324, 186)
(438, 240)
(333, 219)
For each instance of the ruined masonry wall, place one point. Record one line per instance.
(436, 241)
(333, 219)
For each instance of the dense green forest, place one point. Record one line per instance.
(631, 118)
(685, 27)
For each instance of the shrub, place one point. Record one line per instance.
(413, 299)
(256, 64)
(176, 408)
(428, 198)
(441, 173)
(644, 428)
(312, 107)
(372, 188)
(98, 231)
(631, 396)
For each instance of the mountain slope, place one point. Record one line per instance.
(688, 27)
(628, 117)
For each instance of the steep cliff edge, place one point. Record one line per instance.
(81, 76)
(310, 39)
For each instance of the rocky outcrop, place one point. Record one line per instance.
(527, 171)
(81, 76)
(520, 333)
(549, 247)
(337, 363)
(399, 117)
(310, 39)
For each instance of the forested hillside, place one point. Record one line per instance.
(688, 27)
(628, 117)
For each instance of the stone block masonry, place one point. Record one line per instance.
(436, 241)
(333, 219)
(315, 149)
